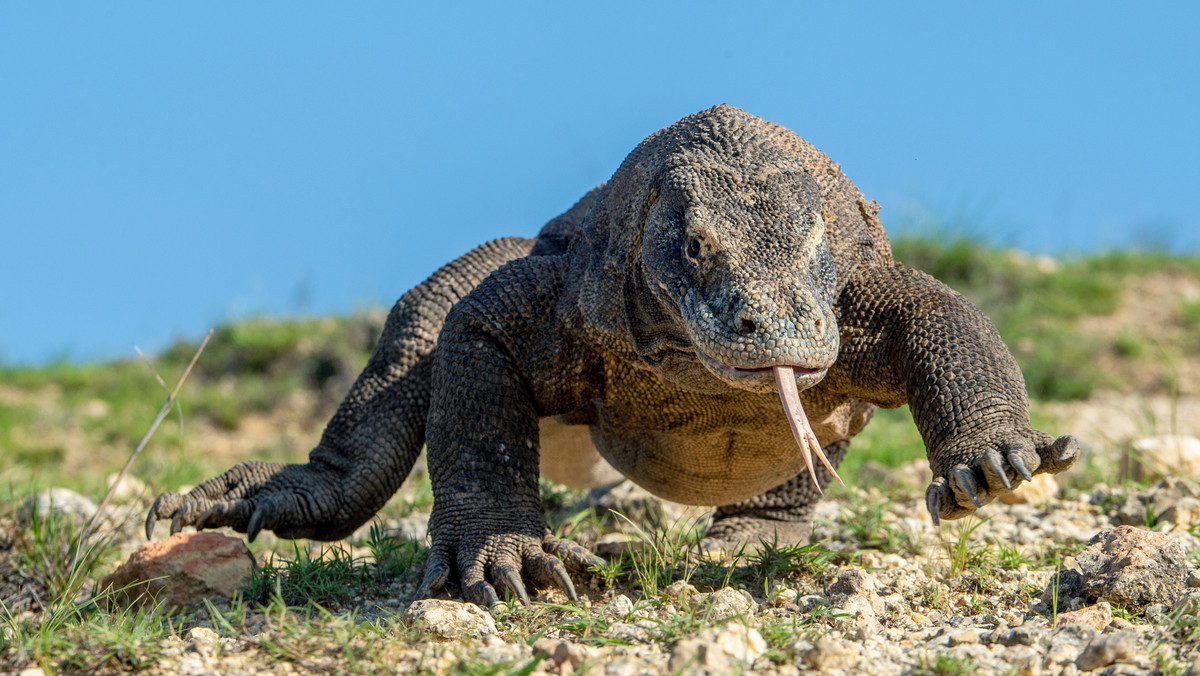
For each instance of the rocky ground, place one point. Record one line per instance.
(1017, 590)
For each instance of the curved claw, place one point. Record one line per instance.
(435, 578)
(481, 594)
(966, 483)
(1014, 459)
(256, 521)
(564, 581)
(933, 502)
(572, 553)
(510, 578)
(996, 467)
(1059, 455)
(1070, 449)
(177, 520)
(152, 515)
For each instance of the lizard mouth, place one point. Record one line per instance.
(761, 379)
(784, 377)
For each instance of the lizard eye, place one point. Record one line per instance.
(693, 248)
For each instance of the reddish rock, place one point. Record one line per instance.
(1097, 617)
(180, 572)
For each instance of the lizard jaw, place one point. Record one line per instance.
(784, 377)
(760, 379)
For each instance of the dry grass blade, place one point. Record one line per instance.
(162, 413)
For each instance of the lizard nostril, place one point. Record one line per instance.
(747, 324)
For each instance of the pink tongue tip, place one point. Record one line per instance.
(785, 379)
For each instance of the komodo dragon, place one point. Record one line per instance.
(727, 284)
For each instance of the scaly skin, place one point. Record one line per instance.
(724, 252)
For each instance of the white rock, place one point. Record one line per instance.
(740, 642)
(832, 652)
(131, 489)
(450, 620)
(1106, 649)
(620, 606)
(202, 634)
(723, 604)
(731, 648)
(63, 502)
(1167, 455)
(623, 631)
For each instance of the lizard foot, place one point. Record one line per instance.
(974, 479)
(292, 500)
(506, 561)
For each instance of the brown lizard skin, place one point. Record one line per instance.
(653, 312)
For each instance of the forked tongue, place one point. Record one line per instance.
(785, 378)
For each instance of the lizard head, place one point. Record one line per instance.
(737, 252)
(714, 229)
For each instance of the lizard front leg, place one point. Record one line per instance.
(908, 338)
(502, 362)
(368, 447)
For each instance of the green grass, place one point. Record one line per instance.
(945, 664)
(334, 576)
(964, 554)
(1033, 306)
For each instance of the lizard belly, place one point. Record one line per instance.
(714, 469)
(710, 449)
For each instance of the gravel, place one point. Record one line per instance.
(902, 609)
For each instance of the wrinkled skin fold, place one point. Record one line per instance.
(721, 311)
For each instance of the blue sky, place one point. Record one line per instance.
(165, 167)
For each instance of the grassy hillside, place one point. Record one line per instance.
(1128, 322)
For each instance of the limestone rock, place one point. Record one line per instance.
(1098, 616)
(1024, 660)
(1064, 644)
(180, 572)
(130, 489)
(854, 582)
(730, 648)
(61, 502)
(680, 591)
(1184, 513)
(1167, 455)
(1042, 489)
(1172, 500)
(1106, 649)
(624, 631)
(1133, 568)
(832, 652)
(620, 607)
(450, 620)
(562, 652)
(853, 593)
(723, 604)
